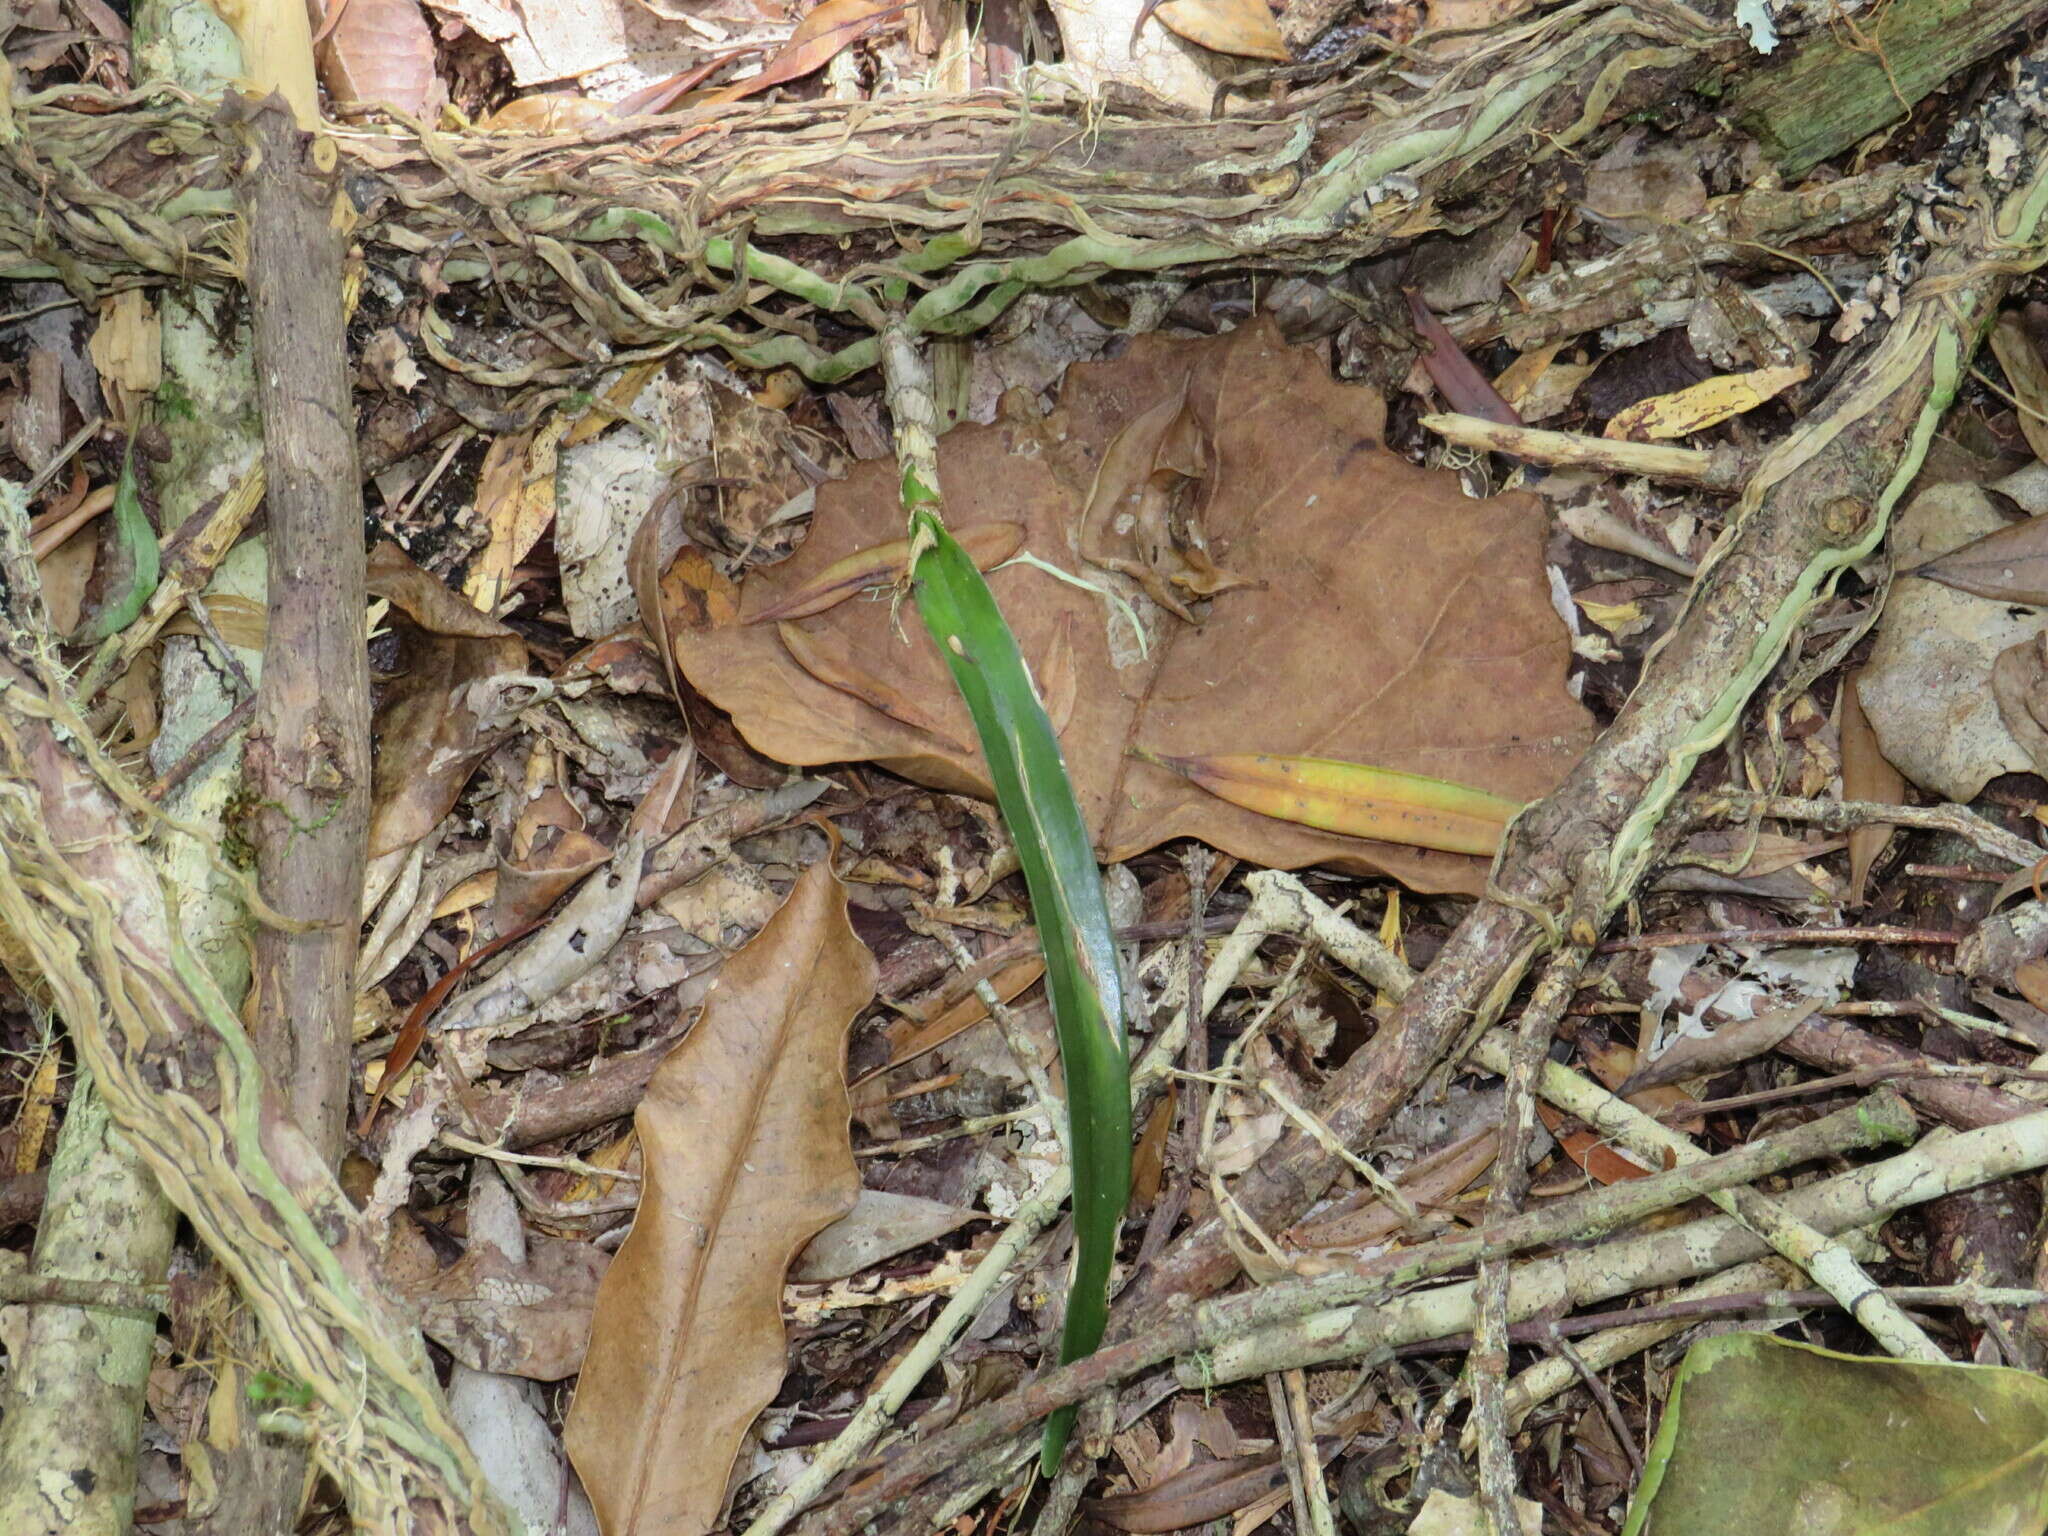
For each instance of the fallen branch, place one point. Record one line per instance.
(1302, 1323)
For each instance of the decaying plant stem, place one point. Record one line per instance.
(1005, 194)
(87, 904)
(71, 1413)
(1715, 469)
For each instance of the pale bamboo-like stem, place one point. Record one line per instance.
(1831, 1266)
(1714, 469)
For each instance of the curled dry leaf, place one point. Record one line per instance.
(1730, 1045)
(2019, 682)
(746, 1157)
(437, 720)
(381, 53)
(1866, 775)
(2027, 375)
(671, 577)
(1245, 28)
(1455, 375)
(1394, 621)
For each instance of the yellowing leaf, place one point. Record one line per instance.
(515, 498)
(1702, 405)
(745, 1157)
(1353, 798)
(1618, 619)
(1243, 27)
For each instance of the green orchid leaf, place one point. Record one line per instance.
(1038, 806)
(1761, 1434)
(131, 565)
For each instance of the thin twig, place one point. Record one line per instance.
(1878, 933)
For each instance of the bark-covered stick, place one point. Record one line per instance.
(1829, 1263)
(1936, 1167)
(308, 755)
(1286, 1324)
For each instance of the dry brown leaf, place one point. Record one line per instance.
(911, 1038)
(381, 53)
(1435, 1180)
(431, 735)
(822, 33)
(880, 1226)
(1866, 775)
(671, 576)
(1728, 1046)
(521, 1319)
(2031, 978)
(127, 351)
(1394, 621)
(515, 499)
(549, 112)
(2008, 565)
(2019, 682)
(1204, 1492)
(1245, 28)
(2028, 376)
(746, 1157)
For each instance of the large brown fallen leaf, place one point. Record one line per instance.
(1376, 614)
(746, 1157)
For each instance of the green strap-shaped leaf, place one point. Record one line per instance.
(134, 563)
(1037, 801)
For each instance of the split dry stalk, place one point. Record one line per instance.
(1714, 469)
(87, 907)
